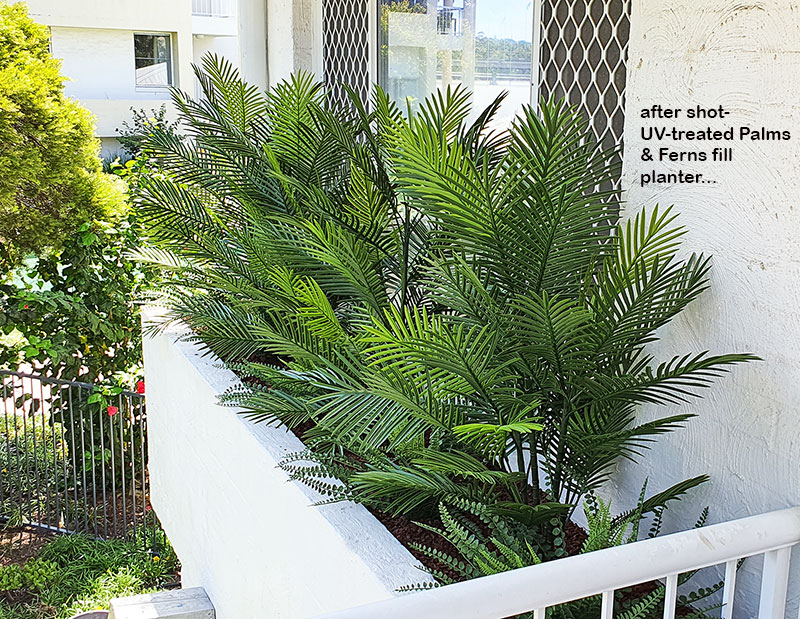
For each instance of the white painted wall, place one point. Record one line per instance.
(254, 40)
(242, 531)
(743, 56)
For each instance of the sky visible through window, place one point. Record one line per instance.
(505, 19)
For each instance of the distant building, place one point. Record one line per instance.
(119, 55)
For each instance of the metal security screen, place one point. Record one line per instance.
(584, 51)
(346, 46)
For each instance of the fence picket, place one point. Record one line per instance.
(607, 610)
(671, 596)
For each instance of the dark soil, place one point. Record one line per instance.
(19, 596)
(19, 544)
(408, 533)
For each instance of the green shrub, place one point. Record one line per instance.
(132, 134)
(40, 574)
(50, 172)
(74, 574)
(74, 313)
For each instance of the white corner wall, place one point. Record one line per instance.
(743, 56)
(242, 530)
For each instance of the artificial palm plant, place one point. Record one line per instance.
(450, 313)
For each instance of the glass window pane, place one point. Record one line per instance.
(153, 60)
(482, 44)
(143, 45)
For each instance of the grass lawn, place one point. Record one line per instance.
(56, 577)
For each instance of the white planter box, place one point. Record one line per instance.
(242, 530)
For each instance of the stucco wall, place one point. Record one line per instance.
(242, 531)
(743, 56)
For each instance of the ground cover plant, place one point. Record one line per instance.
(73, 574)
(450, 316)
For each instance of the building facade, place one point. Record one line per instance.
(123, 55)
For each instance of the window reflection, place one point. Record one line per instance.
(483, 44)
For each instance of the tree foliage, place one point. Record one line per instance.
(50, 176)
(74, 313)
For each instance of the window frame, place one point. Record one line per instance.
(170, 61)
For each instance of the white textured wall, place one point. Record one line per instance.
(242, 531)
(294, 38)
(746, 57)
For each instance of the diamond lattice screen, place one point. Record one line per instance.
(583, 58)
(346, 46)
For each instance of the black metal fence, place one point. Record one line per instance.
(74, 459)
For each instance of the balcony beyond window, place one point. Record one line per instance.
(214, 8)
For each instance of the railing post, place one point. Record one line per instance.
(671, 596)
(730, 589)
(607, 610)
(774, 581)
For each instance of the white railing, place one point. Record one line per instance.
(539, 587)
(214, 8)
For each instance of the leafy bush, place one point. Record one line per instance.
(50, 177)
(74, 313)
(132, 134)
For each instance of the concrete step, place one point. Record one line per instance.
(177, 604)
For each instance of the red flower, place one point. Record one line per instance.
(26, 306)
(112, 410)
(140, 386)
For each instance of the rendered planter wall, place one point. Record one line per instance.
(242, 530)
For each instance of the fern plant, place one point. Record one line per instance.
(450, 313)
(485, 544)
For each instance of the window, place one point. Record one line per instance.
(484, 45)
(153, 59)
(412, 47)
